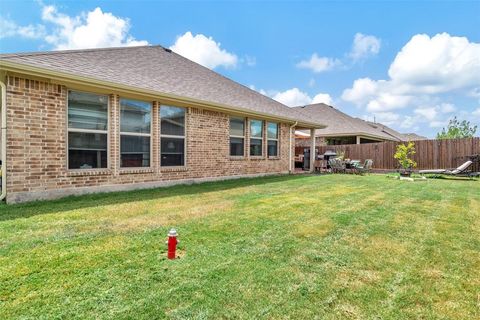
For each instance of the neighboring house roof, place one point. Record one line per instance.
(387, 130)
(153, 70)
(414, 137)
(340, 124)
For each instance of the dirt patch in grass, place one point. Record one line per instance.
(314, 228)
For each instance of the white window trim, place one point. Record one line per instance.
(86, 130)
(135, 134)
(272, 139)
(184, 137)
(171, 136)
(235, 136)
(262, 138)
(107, 132)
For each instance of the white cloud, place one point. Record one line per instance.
(428, 113)
(386, 118)
(364, 46)
(435, 116)
(9, 28)
(94, 29)
(375, 95)
(447, 108)
(423, 68)
(386, 101)
(322, 98)
(476, 113)
(475, 93)
(250, 61)
(439, 64)
(319, 64)
(259, 90)
(98, 29)
(204, 50)
(438, 124)
(295, 97)
(362, 91)
(408, 122)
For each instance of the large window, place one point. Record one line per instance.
(87, 130)
(172, 130)
(256, 137)
(237, 136)
(272, 139)
(135, 131)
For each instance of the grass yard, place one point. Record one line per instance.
(300, 247)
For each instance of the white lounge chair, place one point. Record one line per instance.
(461, 171)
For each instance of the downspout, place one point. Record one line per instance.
(290, 148)
(3, 126)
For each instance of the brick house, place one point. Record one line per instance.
(98, 120)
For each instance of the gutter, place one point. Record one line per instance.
(290, 147)
(3, 126)
(164, 97)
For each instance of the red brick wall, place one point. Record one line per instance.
(306, 143)
(37, 147)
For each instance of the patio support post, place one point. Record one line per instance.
(312, 150)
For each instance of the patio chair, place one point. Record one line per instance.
(461, 171)
(320, 165)
(351, 165)
(337, 165)
(367, 166)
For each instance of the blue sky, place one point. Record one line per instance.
(410, 64)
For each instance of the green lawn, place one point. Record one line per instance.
(299, 247)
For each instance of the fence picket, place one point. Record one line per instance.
(431, 154)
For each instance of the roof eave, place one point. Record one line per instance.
(359, 133)
(76, 79)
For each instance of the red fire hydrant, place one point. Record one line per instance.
(172, 243)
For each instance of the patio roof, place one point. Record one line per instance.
(340, 124)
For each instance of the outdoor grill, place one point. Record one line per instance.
(327, 155)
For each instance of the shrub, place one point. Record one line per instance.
(404, 154)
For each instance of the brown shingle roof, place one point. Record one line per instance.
(414, 137)
(341, 124)
(160, 70)
(385, 129)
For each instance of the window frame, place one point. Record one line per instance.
(160, 135)
(262, 138)
(150, 135)
(68, 130)
(272, 139)
(235, 136)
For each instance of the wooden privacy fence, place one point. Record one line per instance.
(431, 154)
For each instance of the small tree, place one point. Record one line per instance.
(457, 129)
(404, 154)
